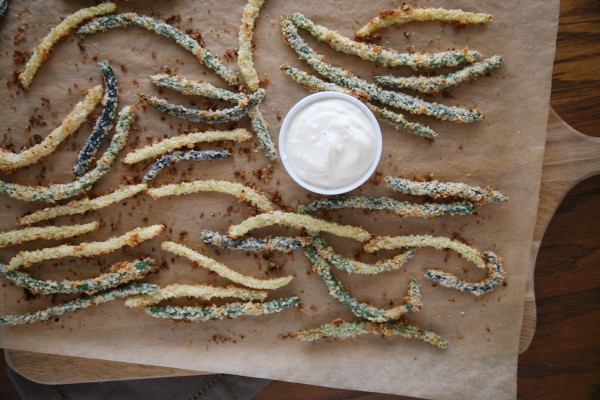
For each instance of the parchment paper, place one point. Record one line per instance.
(504, 151)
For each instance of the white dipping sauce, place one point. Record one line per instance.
(331, 143)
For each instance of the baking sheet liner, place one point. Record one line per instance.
(504, 151)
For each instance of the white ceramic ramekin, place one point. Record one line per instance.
(306, 102)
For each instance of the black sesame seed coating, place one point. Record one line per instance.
(104, 121)
(176, 156)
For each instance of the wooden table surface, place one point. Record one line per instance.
(560, 362)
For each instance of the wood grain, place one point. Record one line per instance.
(576, 76)
(569, 158)
(63, 369)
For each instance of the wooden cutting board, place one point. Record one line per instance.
(569, 158)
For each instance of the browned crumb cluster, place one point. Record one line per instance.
(21, 56)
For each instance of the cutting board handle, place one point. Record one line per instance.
(569, 158)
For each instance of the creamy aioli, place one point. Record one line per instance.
(330, 143)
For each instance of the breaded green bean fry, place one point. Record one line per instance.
(496, 275)
(3, 7)
(245, 34)
(388, 58)
(231, 310)
(297, 221)
(402, 208)
(121, 273)
(315, 84)
(41, 52)
(443, 190)
(132, 289)
(241, 192)
(61, 191)
(132, 238)
(104, 121)
(357, 267)
(11, 238)
(435, 84)
(205, 292)
(277, 243)
(260, 126)
(339, 329)
(399, 122)
(413, 301)
(83, 205)
(190, 87)
(10, 161)
(159, 27)
(207, 116)
(223, 270)
(406, 13)
(486, 260)
(439, 242)
(187, 140)
(177, 156)
(395, 99)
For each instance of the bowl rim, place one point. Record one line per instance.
(306, 101)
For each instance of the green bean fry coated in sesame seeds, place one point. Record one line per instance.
(166, 145)
(486, 260)
(104, 121)
(297, 221)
